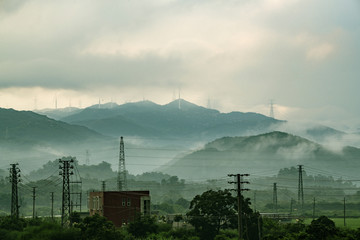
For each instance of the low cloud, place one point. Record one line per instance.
(320, 52)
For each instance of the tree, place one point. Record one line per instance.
(143, 226)
(321, 228)
(12, 223)
(183, 202)
(97, 227)
(215, 210)
(74, 218)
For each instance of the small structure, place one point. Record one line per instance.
(119, 207)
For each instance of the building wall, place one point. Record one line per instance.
(119, 207)
(96, 203)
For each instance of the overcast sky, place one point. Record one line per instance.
(239, 54)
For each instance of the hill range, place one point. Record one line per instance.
(177, 119)
(154, 134)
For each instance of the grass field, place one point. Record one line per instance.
(352, 223)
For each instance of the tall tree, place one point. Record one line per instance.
(215, 210)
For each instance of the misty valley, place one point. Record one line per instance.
(178, 151)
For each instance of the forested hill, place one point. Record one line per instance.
(31, 139)
(263, 152)
(176, 119)
(33, 128)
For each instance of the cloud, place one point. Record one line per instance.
(238, 53)
(320, 52)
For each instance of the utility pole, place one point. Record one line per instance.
(239, 189)
(254, 201)
(259, 228)
(275, 208)
(344, 212)
(121, 178)
(87, 160)
(14, 179)
(291, 205)
(103, 185)
(314, 208)
(66, 164)
(301, 188)
(33, 196)
(52, 205)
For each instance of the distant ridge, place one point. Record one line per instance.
(146, 118)
(30, 127)
(149, 119)
(31, 139)
(58, 113)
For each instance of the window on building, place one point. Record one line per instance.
(124, 202)
(95, 203)
(98, 203)
(129, 202)
(146, 207)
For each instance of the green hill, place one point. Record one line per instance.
(177, 119)
(32, 139)
(260, 153)
(29, 127)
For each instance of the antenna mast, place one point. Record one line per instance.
(121, 179)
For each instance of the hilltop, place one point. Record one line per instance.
(175, 119)
(31, 139)
(32, 128)
(259, 153)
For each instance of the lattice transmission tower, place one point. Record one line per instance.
(301, 187)
(66, 166)
(14, 179)
(121, 178)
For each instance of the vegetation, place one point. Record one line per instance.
(98, 228)
(213, 211)
(171, 195)
(210, 215)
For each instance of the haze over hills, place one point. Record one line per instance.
(154, 134)
(59, 112)
(32, 128)
(182, 119)
(176, 119)
(261, 153)
(30, 138)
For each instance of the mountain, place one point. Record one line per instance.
(30, 127)
(31, 139)
(177, 119)
(261, 153)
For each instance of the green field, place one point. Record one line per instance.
(352, 223)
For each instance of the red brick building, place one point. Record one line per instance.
(119, 207)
